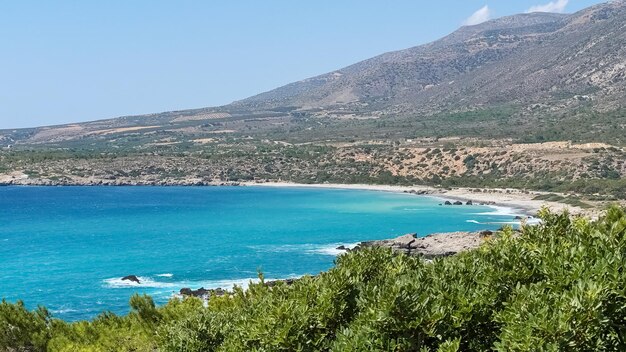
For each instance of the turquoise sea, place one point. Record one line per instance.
(67, 247)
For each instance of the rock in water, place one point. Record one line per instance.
(132, 278)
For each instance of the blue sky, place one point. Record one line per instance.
(68, 61)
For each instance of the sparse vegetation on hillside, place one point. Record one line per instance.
(596, 170)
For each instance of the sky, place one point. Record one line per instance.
(69, 61)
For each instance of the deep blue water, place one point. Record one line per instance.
(67, 247)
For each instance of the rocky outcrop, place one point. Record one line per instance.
(132, 278)
(202, 292)
(431, 246)
(420, 192)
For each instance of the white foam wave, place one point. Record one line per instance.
(331, 249)
(63, 310)
(528, 221)
(225, 284)
(502, 211)
(277, 248)
(117, 282)
(147, 282)
(165, 275)
(325, 249)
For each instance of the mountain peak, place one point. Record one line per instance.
(522, 59)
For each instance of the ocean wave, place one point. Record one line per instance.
(147, 282)
(331, 249)
(309, 248)
(502, 211)
(165, 275)
(63, 310)
(528, 221)
(514, 222)
(225, 284)
(117, 282)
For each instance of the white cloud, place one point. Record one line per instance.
(480, 16)
(553, 6)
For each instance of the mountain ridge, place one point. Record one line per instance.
(471, 60)
(528, 70)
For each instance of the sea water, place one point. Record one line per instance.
(67, 247)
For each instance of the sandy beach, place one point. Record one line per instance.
(516, 201)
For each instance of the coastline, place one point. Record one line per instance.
(510, 201)
(513, 201)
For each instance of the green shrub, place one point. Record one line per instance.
(21, 329)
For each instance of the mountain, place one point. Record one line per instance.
(553, 76)
(527, 58)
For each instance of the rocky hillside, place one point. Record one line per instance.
(553, 77)
(556, 61)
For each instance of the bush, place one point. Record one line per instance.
(22, 330)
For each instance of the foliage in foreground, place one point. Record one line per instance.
(557, 286)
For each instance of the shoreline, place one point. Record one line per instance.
(515, 201)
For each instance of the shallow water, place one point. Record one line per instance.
(67, 247)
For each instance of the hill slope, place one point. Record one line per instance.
(552, 76)
(527, 58)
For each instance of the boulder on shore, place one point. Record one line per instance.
(431, 246)
(132, 278)
(202, 292)
(458, 202)
(486, 233)
(447, 202)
